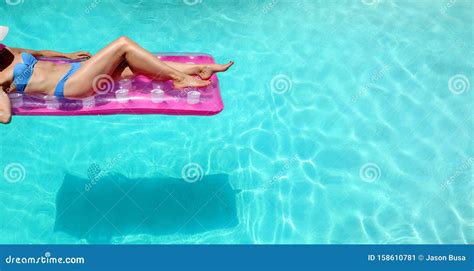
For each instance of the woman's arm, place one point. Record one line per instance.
(5, 107)
(48, 53)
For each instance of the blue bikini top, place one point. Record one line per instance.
(23, 71)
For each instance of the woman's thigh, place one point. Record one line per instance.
(100, 66)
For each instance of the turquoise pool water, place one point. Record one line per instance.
(345, 122)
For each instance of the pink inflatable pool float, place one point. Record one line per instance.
(139, 95)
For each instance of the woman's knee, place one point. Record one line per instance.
(123, 40)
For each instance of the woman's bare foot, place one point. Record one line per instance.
(190, 81)
(208, 70)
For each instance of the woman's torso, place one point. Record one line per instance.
(46, 76)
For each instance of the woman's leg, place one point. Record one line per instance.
(205, 71)
(138, 60)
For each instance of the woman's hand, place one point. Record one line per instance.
(78, 55)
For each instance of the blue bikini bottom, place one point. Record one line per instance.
(59, 91)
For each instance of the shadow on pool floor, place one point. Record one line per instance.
(119, 206)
